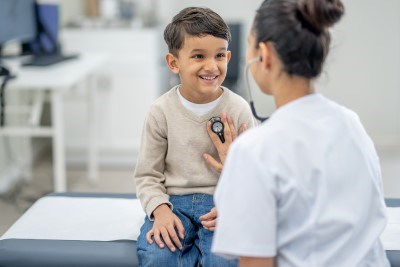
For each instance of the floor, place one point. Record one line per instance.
(15, 203)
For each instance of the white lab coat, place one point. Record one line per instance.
(304, 187)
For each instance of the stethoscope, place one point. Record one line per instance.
(246, 75)
(216, 123)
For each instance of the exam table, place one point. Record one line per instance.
(118, 251)
(393, 255)
(19, 247)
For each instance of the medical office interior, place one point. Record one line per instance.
(75, 125)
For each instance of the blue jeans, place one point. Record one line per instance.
(196, 244)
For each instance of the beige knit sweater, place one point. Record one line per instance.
(170, 160)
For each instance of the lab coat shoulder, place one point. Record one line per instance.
(356, 128)
(353, 121)
(264, 142)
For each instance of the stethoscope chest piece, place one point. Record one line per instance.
(217, 126)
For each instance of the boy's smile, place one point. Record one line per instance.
(201, 65)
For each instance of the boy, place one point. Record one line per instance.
(173, 181)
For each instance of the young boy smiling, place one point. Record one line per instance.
(173, 181)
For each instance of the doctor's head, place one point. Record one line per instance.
(197, 40)
(291, 38)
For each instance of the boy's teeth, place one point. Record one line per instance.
(208, 77)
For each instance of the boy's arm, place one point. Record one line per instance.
(149, 172)
(149, 178)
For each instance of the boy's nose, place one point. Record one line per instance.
(211, 65)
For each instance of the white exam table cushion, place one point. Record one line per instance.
(80, 218)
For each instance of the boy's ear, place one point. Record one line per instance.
(228, 55)
(172, 63)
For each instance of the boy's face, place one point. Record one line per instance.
(201, 64)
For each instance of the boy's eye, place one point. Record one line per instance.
(198, 56)
(220, 55)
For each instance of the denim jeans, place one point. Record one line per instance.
(196, 244)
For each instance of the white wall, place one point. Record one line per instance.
(362, 71)
(70, 10)
(363, 68)
(127, 85)
(232, 11)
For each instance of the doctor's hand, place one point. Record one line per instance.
(230, 135)
(166, 226)
(209, 220)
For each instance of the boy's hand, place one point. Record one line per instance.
(165, 222)
(209, 220)
(230, 135)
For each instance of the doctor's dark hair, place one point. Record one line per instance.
(298, 30)
(194, 21)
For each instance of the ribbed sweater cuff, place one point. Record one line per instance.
(154, 203)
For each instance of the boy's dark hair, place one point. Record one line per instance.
(299, 31)
(194, 21)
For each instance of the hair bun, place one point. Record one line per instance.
(319, 14)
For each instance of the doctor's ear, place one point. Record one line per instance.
(172, 63)
(266, 57)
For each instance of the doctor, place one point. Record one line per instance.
(304, 188)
